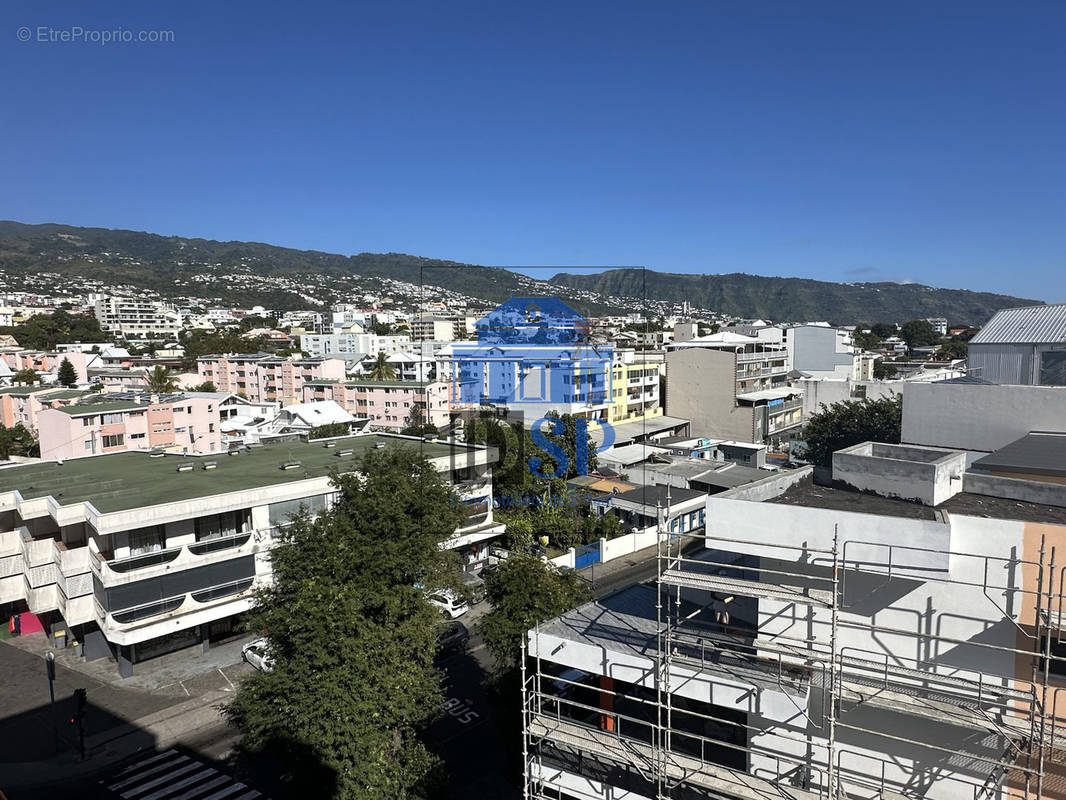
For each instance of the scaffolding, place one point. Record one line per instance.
(1018, 741)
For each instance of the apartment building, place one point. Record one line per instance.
(263, 377)
(132, 421)
(45, 364)
(441, 329)
(634, 389)
(22, 405)
(322, 344)
(137, 317)
(135, 554)
(386, 404)
(821, 351)
(895, 635)
(733, 386)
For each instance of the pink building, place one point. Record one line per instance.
(23, 404)
(173, 422)
(45, 363)
(387, 404)
(261, 377)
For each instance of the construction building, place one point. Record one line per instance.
(897, 634)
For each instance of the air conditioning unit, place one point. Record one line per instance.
(290, 464)
(210, 465)
(343, 453)
(186, 467)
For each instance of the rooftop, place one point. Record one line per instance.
(1038, 453)
(1026, 325)
(807, 493)
(650, 495)
(123, 481)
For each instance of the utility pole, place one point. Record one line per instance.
(50, 665)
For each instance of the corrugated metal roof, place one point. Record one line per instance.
(1028, 325)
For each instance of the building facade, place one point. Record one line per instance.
(386, 404)
(137, 317)
(136, 555)
(261, 377)
(1022, 346)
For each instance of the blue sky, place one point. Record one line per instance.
(841, 141)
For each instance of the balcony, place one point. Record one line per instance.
(123, 620)
(115, 572)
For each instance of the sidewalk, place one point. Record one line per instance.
(154, 731)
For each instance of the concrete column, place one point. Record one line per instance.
(205, 641)
(125, 665)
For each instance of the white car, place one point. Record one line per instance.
(447, 602)
(258, 654)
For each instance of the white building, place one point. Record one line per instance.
(136, 555)
(137, 317)
(825, 642)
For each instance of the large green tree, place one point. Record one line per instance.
(352, 637)
(525, 591)
(45, 331)
(918, 333)
(381, 369)
(17, 441)
(852, 422)
(67, 375)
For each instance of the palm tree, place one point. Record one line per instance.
(382, 370)
(160, 381)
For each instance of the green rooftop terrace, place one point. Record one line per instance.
(124, 481)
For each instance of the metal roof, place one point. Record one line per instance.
(1027, 325)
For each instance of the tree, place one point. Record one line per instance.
(67, 375)
(918, 333)
(328, 430)
(866, 341)
(45, 331)
(17, 441)
(418, 425)
(952, 350)
(206, 386)
(160, 381)
(524, 591)
(382, 370)
(25, 376)
(352, 635)
(882, 330)
(884, 370)
(852, 422)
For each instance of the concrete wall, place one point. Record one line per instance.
(814, 349)
(978, 417)
(817, 393)
(1002, 363)
(1042, 492)
(910, 473)
(701, 387)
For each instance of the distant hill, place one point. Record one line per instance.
(248, 273)
(786, 299)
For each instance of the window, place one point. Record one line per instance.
(215, 526)
(111, 419)
(114, 440)
(136, 436)
(147, 540)
(87, 421)
(1053, 368)
(89, 446)
(210, 427)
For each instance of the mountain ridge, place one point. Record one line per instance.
(168, 264)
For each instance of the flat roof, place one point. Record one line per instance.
(123, 481)
(100, 408)
(650, 495)
(769, 394)
(807, 493)
(1038, 452)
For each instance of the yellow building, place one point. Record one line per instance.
(634, 390)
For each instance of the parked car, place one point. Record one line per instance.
(452, 605)
(258, 654)
(452, 635)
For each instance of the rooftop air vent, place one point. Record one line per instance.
(330, 444)
(156, 454)
(186, 467)
(290, 464)
(343, 453)
(210, 465)
(379, 445)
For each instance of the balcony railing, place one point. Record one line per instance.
(184, 556)
(218, 544)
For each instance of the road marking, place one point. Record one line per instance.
(223, 674)
(182, 685)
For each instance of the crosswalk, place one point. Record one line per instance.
(174, 776)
